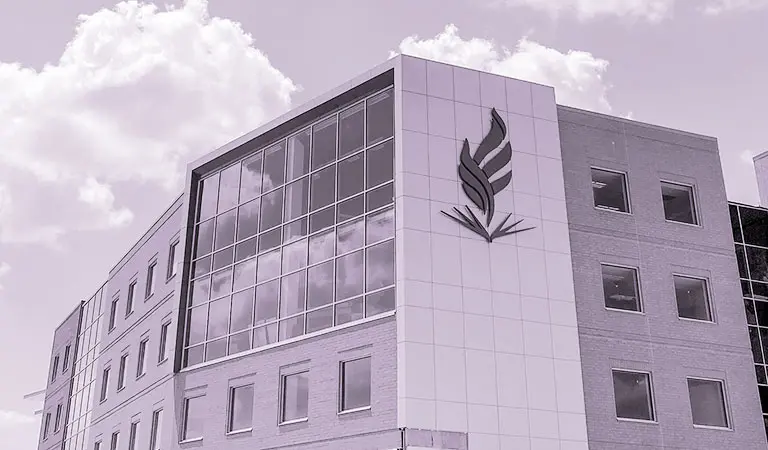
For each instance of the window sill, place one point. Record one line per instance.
(610, 210)
(168, 279)
(649, 422)
(712, 427)
(190, 441)
(139, 377)
(354, 410)
(688, 319)
(294, 421)
(120, 389)
(683, 223)
(239, 432)
(162, 361)
(639, 313)
(147, 297)
(129, 314)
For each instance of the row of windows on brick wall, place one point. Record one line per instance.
(354, 395)
(621, 291)
(130, 299)
(56, 423)
(133, 435)
(634, 398)
(55, 363)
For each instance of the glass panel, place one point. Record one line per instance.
(229, 187)
(350, 179)
(735, 225)
(760, 375)
(250, 182)
(223, 258)
(632, 392)
(321, 246)
(356, 384)
(269, 240)
(351, 129)
(692, 298)
(239, 342)
(290, 328)
(757, 258)
(350, 236)
(268, 266)
(241, 408)
(749, 309)
(204, 238)
(754, 222)
(746, 289)
(380, 265)
(741, 259)
(678, 203)
(349, 311)
(242, 311)
(707, 403)
(380, 164)
(380, 225)
(380, 302)
(297, 163)
(324, 142)
(267, 296)
(380, 116)
(216, 349)
(293, 293)
(382, 195)
(349, 275)
(295, 397)
(201, 290)
(248, 220)
(620, 290)
(350, 208)
(264, 335)
(208, 196)
(761, 311)
(245, 274)
(757, 348)
(245, 249)
(760, 290)
(323, 188)
(320, 282)
(196, 323)
(295, 229)
(274, 167)
(218, 318)
(609, 190)
(271, 209)
(320, 319)
(225, 229)
(296, 199)
(221, 283)
(294, 256)
(201, 266)
(321, 219)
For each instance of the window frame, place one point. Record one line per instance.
(342, 378)
(185, 419)
(46, 425)
(638, 288)
(172, 268)
(130, 298)
(57, 420)
(724, 398)
(651, 396)
(281, 398)
(122, 371)
(54, 368)
(112, 320)
(625, 184)
(162, 349)
(151, 279)
(65, 363)
(141, 357)
(707, 293)
(97, 445)
(105, 379)
(694, 202)
(155, 429)
(114, 441)
(230, 409)
(133, 434)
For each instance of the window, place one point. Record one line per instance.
(679, 205)
(104, 384)
(609, 190)
(355, 384)
(46, 425)
(133, 436)
(692, 298)
(113, 313)
(192, 426)
(151, 279)
(295, 397)
(621, 288)
(155, 432)
(173, 259)
(129, 300)
(633, 395)
(66, 359)
(708, 403)
(115, 441)
(121, 372)
(57, 421)
(240, 408)
(162, 353)
(97, 445)
(55, 368)
(141, 365)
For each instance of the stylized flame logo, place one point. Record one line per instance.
(476, 182)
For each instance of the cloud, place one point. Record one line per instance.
(4, 269)
(13, 418)
(136, 94)
(738, 166)
(651, 10)
(577, 76)
(717, 7)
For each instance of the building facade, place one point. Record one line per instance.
(430, 257)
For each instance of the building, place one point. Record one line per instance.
(429, 257)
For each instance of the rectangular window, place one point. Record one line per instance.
(141, 364)
(173, 259)
(621, 288)
(113, 313)
(121, 372)
(193, 420)
(295, 397)
(97, 446)
(155, 432)
(708, 406)
(633, 395)
(57, 421)
(355, 384)
(679, 203)
(129, 300)
(115, 441)
(66, 359)
(104, 384)
(609, 190)
(151, 279)
(55, 368)
(240, 408)
(46, 425)
(162, 353)
(692, 298)
(133, 436)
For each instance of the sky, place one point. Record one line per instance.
(103, 104)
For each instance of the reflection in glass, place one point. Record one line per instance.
(350, 236)
(692, 298)
(239, 342)
(356, 384)
(380, 116)
(678, 203)
(380, 302)
(351, 129)
(295, 397)
(264, 335)
(380, 164)
(201, 266)
(290, 328)
(242, 310)
(271, 209)
(215, 349)
(208, 196)
(380, 225)
(221, 283)
(293, 294)
(349, 311)
(350, 208)
(196, 322)
(223, 258)
(201, 289)
(757, 258)
(204, 238)
(218, 318)
(297, 162)
(294, 256)
(274, 167)
(241, 408)
(245, 249)
(620, 288)
(324, 142)
(269, 240)
(382, 195)
(319, 319)
(632, 393)
(350, 179)
(323, 188)
(321, 246)
(609, 190)
(225, 229)
(250, 182)
(269, 265)
(320, 282)
(754, 223)
(248, 220)
(245, 274)
(229, 188)
(267, 295)
(296, 199)
(349, 275)
(321, 219)
(380, 265)
(294, 230)
(194, 355)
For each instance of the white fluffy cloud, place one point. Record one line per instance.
(136, 94)
(13, 418)
(576, 75)
(4, 269)
(716, 7)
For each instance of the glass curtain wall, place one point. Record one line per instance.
(296, 237)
